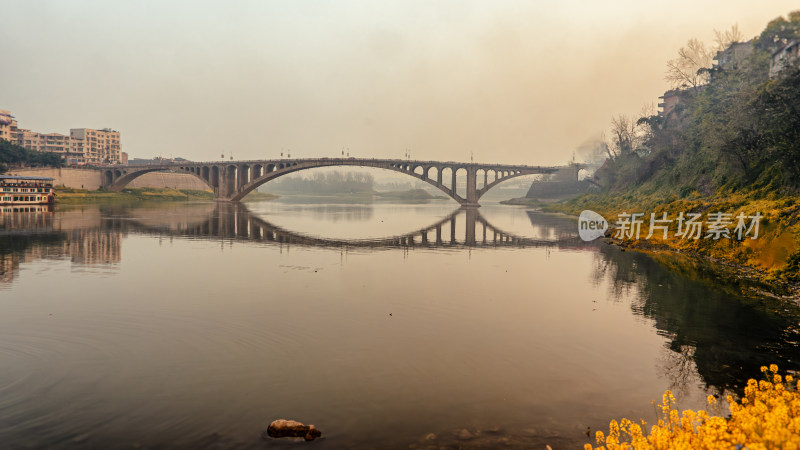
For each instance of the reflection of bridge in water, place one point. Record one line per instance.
(93, 236)
(463, 228)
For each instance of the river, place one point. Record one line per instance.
(386, 325)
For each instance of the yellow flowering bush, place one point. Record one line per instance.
(767, 417)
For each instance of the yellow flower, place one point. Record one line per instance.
(767, 416)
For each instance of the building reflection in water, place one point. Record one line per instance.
(27, 236)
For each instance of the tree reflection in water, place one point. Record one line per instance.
(711, 324)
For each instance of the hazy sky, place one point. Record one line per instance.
(510, 81)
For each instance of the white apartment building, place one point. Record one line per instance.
(71, 149)
(8, 126)
(99, 146)
(82, 146)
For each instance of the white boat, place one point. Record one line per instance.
(21, 190)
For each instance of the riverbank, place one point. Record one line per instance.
(772, 260)
(77, 196)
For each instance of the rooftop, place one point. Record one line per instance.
(17, 177)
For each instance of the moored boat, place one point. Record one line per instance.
(22, 190)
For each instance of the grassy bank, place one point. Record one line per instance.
(75, 196)
(774, 257)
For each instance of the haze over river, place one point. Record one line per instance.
(194, 325)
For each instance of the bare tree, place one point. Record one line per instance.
(686, 70)
(626, 136)
(648, 109)
(604, 145)
(724, 39)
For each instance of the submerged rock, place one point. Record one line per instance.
(292, 428)
(464, 434)
(491, 430)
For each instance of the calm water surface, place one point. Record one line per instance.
(385, 325)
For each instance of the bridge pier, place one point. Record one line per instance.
(472, 188)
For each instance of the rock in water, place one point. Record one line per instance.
(464, 434)
(292, 428)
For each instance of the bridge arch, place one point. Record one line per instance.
(497, 181)
(480, 179)
(116, 180)
(295, 167)
(434, 170)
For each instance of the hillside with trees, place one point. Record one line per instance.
(729, 142)
(732, 129)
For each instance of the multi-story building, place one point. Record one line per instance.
(734, 56)
(66, 146)
(671, 98)
(8, 126)
(82, 146)
(784, 57)
(99, 146)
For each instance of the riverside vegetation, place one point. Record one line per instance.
(731, 145)
(14, 155)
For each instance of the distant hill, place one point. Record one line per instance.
(411, 194)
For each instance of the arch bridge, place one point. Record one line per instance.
(232, 180)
